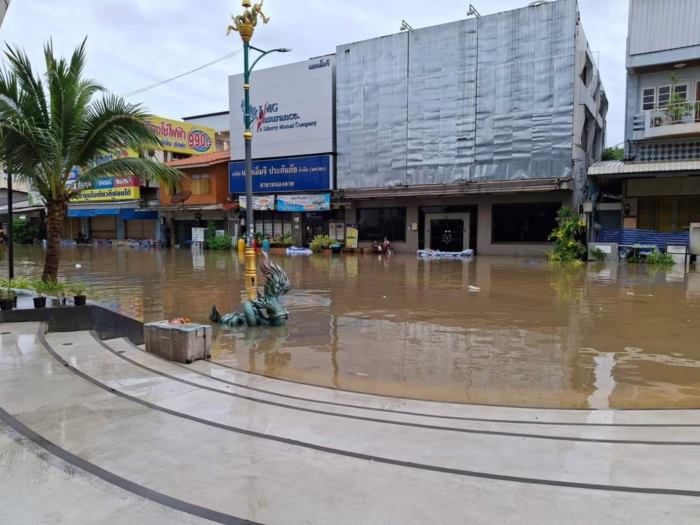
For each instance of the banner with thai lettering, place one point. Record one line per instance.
(304, 202)
(182, 137)
(260, 202)
(110, 189)
(106, 188)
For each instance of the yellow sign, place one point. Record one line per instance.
(352, 235)
(183, 137)
(126, 189)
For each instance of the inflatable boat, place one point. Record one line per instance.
(295, 250)
(437, 254)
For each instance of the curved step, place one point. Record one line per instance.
(438, 410)
(243, 476)
(62, 493)
(521, 428)
(554, 459)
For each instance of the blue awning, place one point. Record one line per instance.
(93, 212)
(125, 214)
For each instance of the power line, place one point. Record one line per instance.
(181, 75)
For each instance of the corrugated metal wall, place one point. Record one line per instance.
(658, 25)
(479, 99)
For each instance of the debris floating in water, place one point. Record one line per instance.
(78, 266)
(474, 289)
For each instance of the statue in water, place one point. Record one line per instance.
(266, 310)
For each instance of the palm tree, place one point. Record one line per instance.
(47, 130)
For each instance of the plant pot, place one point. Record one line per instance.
(7, 304)
(39, 302)
(336, 248)
(79, 300)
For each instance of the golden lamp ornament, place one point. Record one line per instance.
(245, 24)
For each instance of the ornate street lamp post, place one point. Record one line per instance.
(245, 26)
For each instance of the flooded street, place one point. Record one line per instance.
(596, 337)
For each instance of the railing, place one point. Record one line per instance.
(675, 114)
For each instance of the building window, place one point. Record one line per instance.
(375, 224)
(648, 99)
(531, 222)
(201, 185)
(681, 91)
(273, 224)
(664, 96)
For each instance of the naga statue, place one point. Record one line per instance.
(249, 18)
(266, 310)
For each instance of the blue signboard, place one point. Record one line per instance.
(283, 175)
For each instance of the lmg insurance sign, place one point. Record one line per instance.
(291, 109)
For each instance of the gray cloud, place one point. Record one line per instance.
(133, 43)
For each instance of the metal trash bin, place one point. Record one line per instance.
(183, 343)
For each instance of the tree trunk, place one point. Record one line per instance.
(54, 226)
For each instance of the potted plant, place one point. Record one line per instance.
(39, 288)
(78, 290)
(7, 299)
(45, 289)
(321, 243)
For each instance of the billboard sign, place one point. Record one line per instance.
(110, 189)
(183, 137)
(260, 202)
(106, 188)
(301, 203)
(291, 106)
(284, 175)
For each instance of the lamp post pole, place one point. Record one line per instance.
(250, 270)
(245, 25)
(10, 229)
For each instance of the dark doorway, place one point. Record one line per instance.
(447, 235)
(314, 224)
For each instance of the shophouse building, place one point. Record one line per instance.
(293, 149)
(654, 194)
(127, 208)
(202, 197)
(471, 134)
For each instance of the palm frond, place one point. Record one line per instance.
(112, 124)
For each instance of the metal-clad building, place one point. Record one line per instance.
(445, 131)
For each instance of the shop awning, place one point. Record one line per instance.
(642, 169)
(126, 214)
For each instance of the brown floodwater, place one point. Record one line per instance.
(534, 335)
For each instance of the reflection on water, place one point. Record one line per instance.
(534, 335)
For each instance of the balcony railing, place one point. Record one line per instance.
(676, 119)
(675, 114)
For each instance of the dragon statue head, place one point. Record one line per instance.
(266, 309)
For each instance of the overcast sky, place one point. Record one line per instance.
(135, 43)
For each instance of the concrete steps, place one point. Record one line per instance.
(238, 447)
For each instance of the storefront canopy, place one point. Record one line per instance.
(125, 214)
